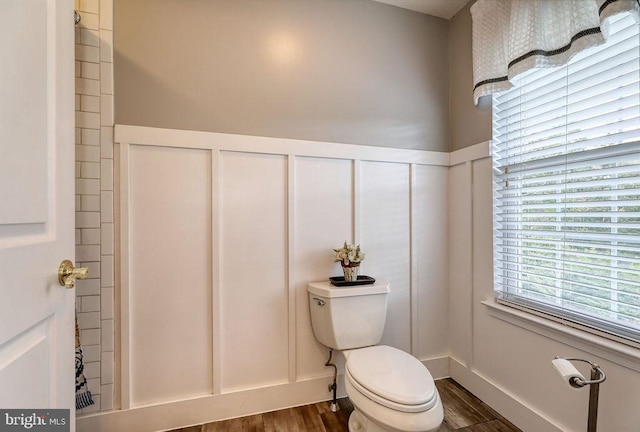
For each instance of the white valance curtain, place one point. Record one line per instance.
(514, 36)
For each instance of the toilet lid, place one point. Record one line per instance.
(392, 375)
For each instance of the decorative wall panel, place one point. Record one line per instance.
(170, 312)
(324, 220)
(253, 267)
(220, 235)
(386, 237)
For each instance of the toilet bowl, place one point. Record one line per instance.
(390, 391)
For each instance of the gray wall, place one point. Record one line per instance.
(351, 71)
(469, 124)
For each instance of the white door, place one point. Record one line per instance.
(36, 204)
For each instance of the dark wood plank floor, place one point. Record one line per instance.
(463, 412)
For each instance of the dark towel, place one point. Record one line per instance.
(83, 395)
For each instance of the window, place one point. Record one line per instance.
(566, 150)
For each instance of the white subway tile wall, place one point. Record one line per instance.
(86, 53)
(87, 153)
(106, 142)
(107, 265)
(88, 287)
(91, 6)
(90, 70)
(106, 206)
(90, 103)
(106, 46)
(87, 219)
(94, 196)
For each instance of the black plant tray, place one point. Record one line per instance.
(362, 280)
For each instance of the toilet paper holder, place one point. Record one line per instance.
(597, 374)
(597, 377)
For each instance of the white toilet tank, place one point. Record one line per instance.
(348, 317)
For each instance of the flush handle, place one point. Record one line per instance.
(67, 274)
(320, 302)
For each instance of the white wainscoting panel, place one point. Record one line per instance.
(324, 220)
(255, 219)
(170, 273)
(498, 362)
(460, 263)
(431, 303)
(386, 239)
(253, 265)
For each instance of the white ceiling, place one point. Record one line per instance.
(440, 8)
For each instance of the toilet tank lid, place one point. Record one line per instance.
(327, 290)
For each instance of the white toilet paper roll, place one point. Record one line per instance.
(567, 371)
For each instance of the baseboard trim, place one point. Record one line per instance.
(508, 405)
(438, 367)
(183, 413)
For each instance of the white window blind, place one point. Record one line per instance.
(566, 149)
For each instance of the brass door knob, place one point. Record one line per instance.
(67, 274)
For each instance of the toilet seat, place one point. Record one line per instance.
(392, 378)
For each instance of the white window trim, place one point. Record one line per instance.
(616, 352)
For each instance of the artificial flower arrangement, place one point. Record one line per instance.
(349, 255)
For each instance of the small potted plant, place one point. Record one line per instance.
(350, 256)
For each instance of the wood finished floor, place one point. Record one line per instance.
(463, 412)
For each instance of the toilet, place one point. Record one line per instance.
(390, 390)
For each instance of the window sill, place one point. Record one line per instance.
(615, 352)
